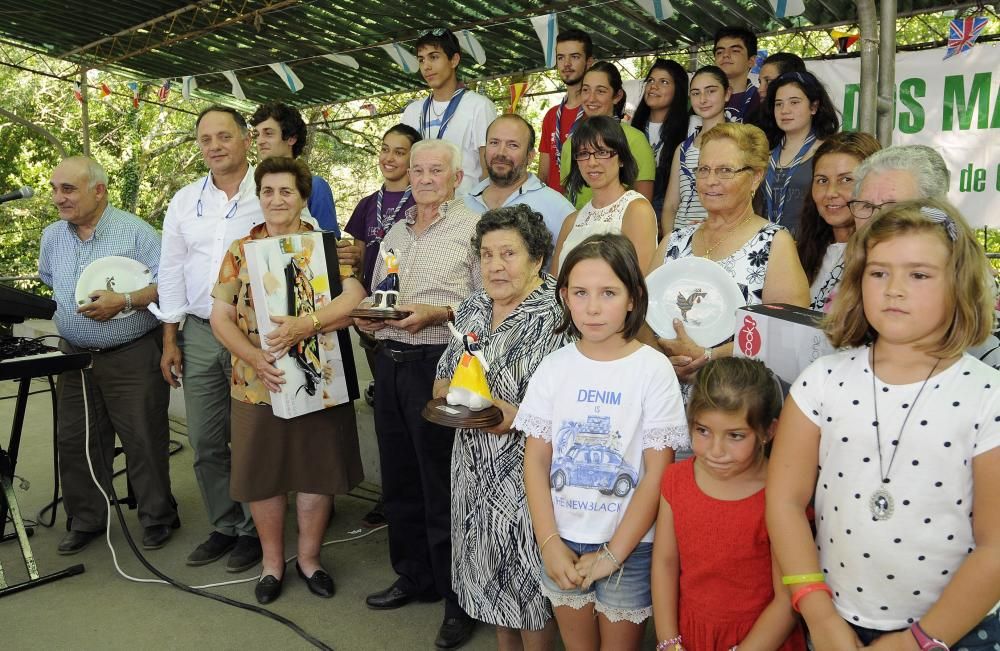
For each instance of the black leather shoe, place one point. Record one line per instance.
(454, 632)
(268, 589)
(212, 549)
(76, 541)
(156, 536)
(320, 583)
(391, 597)
(246, 554)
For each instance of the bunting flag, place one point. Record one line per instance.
(370, 108)
(188, 84)
(288, 76)
(517, 91)
(343, 60)
(237, 90)
(134, 87)
(105, 92)
(403, 57)
(787, 8)
(547, 28)
(164, 91)
(77, 92)
(658, 9)
(844, 40)
(326, 113)
(471, 44)
(962, 34)
(758, 61)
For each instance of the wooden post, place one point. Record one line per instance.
(84, 116)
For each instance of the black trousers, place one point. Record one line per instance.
(416, 474)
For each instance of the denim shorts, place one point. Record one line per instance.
(984, 636)
(628, 598)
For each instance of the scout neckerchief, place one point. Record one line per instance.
(687, 171)
(384, 221)
(558, 130)
(776, 196)
(449, 113)
(659, 143)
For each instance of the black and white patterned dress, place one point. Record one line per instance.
(495, 560)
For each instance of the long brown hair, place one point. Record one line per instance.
(815, 235)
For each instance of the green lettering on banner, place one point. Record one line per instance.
(851, 94)
(977, 102)
(909, 89)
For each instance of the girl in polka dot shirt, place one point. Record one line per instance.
(897, 439)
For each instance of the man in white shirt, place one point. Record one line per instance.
(202, 220)
(451, 112)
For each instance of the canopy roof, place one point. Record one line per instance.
(168, 39)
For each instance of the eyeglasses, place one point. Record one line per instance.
(600, 154)
(665, 81)
(865, 210)
(723, 173)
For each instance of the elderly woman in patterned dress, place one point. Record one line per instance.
(495, 560)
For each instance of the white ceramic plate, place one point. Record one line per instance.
(697, 291)
(114, 273)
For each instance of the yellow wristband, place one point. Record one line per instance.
(316, 324)
(796, 579)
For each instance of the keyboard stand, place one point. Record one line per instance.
(8, 503)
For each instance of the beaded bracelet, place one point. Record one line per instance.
(796, 579)
(665, 645)
(805, 590)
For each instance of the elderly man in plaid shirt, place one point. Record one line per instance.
(125, 391)
(437, 270)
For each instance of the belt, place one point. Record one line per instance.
(199, 319)
(111, 349)
(410, 353)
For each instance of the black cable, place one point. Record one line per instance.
(319, 644)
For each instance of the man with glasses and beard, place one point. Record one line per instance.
(510, 150)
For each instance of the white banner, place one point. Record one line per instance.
(952, 106)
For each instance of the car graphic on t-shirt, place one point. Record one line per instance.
(594, 466)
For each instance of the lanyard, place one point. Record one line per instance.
(449, 112)
(776, 196)
(199, 207)
(386, 220)
(558, 130)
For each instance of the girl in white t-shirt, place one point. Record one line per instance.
(899, 442)
(602, 418)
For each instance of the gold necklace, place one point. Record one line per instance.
(725, 235)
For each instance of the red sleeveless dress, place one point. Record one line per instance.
(725, 563)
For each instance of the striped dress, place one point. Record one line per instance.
(495, 560)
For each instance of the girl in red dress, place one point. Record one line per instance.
(715, 585)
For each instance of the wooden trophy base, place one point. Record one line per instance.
(371, 313)
(439, 412)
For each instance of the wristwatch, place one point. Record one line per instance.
(925, 641)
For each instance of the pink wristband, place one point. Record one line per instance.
(806, 590)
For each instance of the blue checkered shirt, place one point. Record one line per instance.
(63, 258)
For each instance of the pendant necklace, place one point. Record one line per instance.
(881, 502)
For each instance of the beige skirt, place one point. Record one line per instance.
(316, 453)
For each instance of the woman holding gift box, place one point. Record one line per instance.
(315, 454)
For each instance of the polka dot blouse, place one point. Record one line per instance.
(885, 574)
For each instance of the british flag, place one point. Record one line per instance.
(962, 34)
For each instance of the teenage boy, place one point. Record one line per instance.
(574, 56)
(451, 112)
(735, 50)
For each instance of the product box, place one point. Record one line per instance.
(288, 276)
(785, 337)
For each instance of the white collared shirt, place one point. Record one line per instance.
(193, 246)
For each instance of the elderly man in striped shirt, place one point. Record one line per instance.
(125, 391)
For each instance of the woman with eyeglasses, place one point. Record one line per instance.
(827, 222)
(709, 91)
(799, 117)
(602, 162)
(759, 255)
(602, 94)
(662, 115)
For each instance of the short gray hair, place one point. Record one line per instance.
(432, 144)
(94, 170)
(925, 165)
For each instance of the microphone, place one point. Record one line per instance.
(23, 193)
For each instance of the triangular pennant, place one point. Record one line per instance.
(326, 113)
(962, 34)
(471, 44)
(786, 8)
(844, 40)
(237, 90)
(658, 9)
(164, 91)
(547, 28)
(105, 92)
(288, 76)
(517, 91)
(134, 87)
(188, 84)
(343, 60)
(370, 108)
(403, 58)
(758, 61)
(77, 92)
